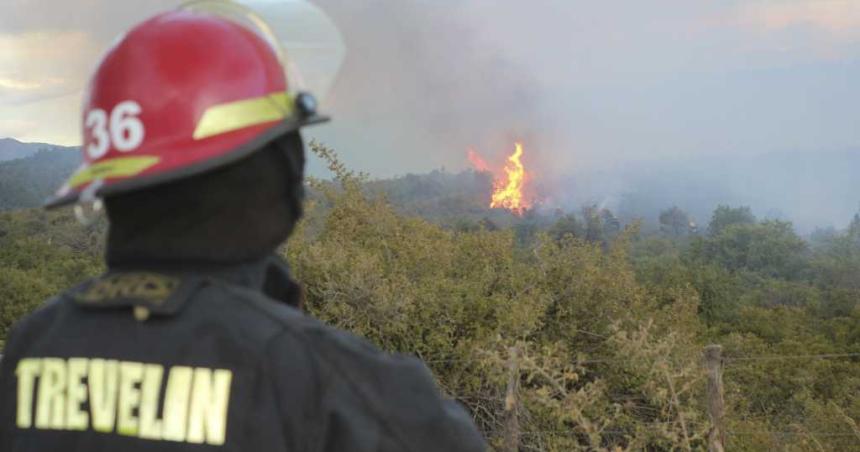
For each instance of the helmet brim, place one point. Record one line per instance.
(144, 182)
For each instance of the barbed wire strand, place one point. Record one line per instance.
(729, 432)
(786, 357)
(726, 360)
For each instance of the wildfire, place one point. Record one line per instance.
(477, 161)
(508, 188)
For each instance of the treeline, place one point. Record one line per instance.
(41, 254)
(609, 321)
(28, 182)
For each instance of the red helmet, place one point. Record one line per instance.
(182, 93)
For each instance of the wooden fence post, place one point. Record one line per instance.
(716, 407)
(512, 422)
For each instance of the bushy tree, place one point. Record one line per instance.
(460, 300)
(41, 254)
(725, 216)
(608, 322)
(771, 248)
(567, 225)
(676, 223)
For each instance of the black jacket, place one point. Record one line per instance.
(176, 359)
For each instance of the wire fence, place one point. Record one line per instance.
(716, 414)
(792, 357)
(726, 360)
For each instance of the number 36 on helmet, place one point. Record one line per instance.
(182, 93)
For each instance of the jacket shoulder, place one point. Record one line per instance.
(392, 397)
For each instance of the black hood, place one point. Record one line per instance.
(233, 214)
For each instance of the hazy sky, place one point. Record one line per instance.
(596, 83)
(586, 84)
(586, 81)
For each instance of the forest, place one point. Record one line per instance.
(605, 316)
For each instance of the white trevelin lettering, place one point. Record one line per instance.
(123, 397)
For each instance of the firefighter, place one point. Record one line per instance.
(193, 338)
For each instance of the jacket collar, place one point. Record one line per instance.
(165, 286)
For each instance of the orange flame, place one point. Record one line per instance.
(479, 163)
(508, 191)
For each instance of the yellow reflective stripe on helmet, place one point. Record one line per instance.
(118, 167)
(236, 115)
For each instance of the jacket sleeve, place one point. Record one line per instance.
(374, 401)
(8, 393)
(23, 332)
(5, 401)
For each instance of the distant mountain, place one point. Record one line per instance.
(30, 172)
(11, 149)
(810, 189)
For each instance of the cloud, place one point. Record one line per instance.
(17, 92)
(103, 19)
(48, 48)
(584, 83)
(44, 65)
(20, 85)
(55, 120)
(837, 17)
(16, 127)
(797, 32)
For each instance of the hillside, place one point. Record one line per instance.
(812, 192)
(36, 170)
(28, 181)
(11, 149)
(608, 326)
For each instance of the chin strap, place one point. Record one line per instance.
(89, 207)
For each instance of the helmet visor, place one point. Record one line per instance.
(305, 39)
